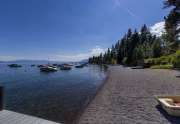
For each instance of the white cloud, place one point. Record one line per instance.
(158, 29)
(78, 57)
(97, 51)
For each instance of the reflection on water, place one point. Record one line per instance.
(57, 96)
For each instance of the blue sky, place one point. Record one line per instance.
(69, 30)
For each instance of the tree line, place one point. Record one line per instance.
(136, 46)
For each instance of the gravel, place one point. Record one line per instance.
(127, 97)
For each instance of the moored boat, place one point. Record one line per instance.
(65, 68)
(66, 64)
(40, 66)
(14, 66)
(48, 68)
(79, 66)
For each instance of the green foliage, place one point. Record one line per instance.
(156, 48)
(163, 60)
(176, 60)
(162, 67)
(171, 24)
(169, 3)
(149, 62)
(113, 61)
(124, 61)
(173, 59)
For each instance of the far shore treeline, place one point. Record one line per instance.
(142, 47)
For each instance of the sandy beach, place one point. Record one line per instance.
(127, 97)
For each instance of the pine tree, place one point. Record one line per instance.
(171, 24)
(157, 48)
(169, 3)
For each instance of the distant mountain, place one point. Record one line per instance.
(40, 61)
(31, 61)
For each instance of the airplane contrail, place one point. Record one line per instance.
(132, 14)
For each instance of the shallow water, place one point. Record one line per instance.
(57, 96)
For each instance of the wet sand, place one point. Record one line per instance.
(127, 97)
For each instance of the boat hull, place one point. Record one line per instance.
(168, 104)
(79, 66)
(48, 69)
(65, 68)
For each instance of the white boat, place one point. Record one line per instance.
(49, 68)
(171, 104)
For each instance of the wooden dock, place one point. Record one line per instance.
(9, 117)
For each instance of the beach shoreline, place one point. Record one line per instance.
(127, 97)
(103, 82)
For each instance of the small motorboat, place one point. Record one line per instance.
(79, 66)
(65, 65)
(171, 104)
(48, 68)
(40, 66)
(65, 68)
(14, 66)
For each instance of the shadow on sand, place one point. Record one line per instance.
(171, 119)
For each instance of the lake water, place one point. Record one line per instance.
(57, 96)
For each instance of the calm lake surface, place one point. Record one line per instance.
(57, 96)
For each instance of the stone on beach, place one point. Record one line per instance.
(127, 97)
